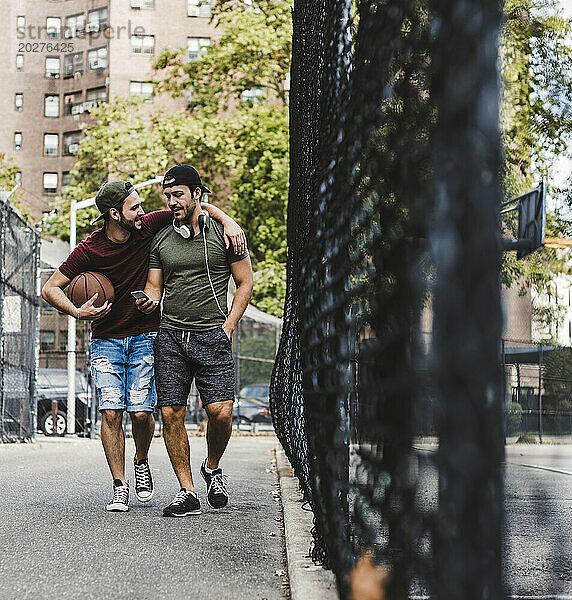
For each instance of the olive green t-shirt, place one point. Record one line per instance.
(188, 301)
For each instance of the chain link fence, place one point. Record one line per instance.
(393, 211)
(538, 392)
(19, 264)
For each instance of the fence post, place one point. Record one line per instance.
(540, 393)
(237, 361)
(3, 214)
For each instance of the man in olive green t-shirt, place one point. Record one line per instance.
(190, 264)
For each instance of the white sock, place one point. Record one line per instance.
(210, 471)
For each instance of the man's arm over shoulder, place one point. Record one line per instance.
(242, 274)
(233, 233)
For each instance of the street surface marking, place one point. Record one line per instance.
(553, 470)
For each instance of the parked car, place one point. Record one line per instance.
(252, 404)
(52, 385)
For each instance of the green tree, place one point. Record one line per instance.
(126, 141)
(8, 180)
(254, 51)
(536, 120)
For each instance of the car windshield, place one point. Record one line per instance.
(57, 379)
(255, 391)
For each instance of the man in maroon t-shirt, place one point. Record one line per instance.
(122, 337)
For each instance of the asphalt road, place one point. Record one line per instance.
(57, 540)
(538, 544)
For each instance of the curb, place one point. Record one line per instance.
(308, 581)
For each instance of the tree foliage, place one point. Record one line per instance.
(253, 52)
(8, 179)
(536, 121)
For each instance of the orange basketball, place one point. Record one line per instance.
(85, 285)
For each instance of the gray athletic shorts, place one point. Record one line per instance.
(181, 356)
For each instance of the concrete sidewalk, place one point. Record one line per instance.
(57, 540)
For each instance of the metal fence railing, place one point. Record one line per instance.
(19, 264)
(538, 391)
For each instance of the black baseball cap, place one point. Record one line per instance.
(111, 195)
(184, 175)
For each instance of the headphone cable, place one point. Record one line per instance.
(209, 275)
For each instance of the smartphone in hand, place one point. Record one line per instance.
(140, 295)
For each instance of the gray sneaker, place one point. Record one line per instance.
(120, 502)
(183, 504)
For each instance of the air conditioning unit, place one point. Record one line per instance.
(73, 148)
(135, 3)
(92, 27)
(193, 11)
(77, 109)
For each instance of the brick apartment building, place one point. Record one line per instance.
(60, 58)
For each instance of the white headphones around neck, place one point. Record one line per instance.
(187, 232)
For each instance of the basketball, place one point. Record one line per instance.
(85, 285)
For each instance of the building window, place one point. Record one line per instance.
(253, 96)
(72, 104)
(198, 8)
(97, 59)
(50, 183)
(47, 341)
(196, 47)
(71, 142)
(142, 3)
(21, 25)
(47, 309)
(19, 101)
(19, 62)
(96, 20)
(142, 44)
(66, 180)
(51, 142)
(75, 25)
(63, 340)
(94, 96)
(73, 64)
(51, 106)
(52, 67)
(17, 140)
(141, 88)
(54, 28)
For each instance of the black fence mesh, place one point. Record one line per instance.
(393, 223)
(19, 263)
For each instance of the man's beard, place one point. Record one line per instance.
(187, 217)
(126, 224)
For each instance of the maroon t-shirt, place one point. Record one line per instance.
(126, 265)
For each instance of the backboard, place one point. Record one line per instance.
(531, 220)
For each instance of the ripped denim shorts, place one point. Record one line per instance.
(122, 369)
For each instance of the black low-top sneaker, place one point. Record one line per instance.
(217, 482)
(183, 504)
(120, 502)
(143, 480)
